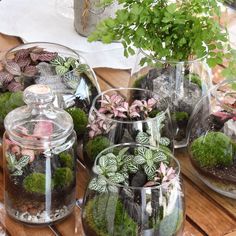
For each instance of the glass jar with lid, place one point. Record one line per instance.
(39, 160)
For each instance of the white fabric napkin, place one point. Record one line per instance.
(38, 20)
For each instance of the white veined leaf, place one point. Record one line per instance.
(160, 117)
(93, 184)
(112, 161)
(101, 181)
(103, 161)
(125, 174)
(112, 188)
(132, 168)
(139, 160)
(128, 158)
(117, 178)
(140, 151)
(102, 189)
(123, 151)
(24, 160)
(18, 173)
(150, 162)
(164, 141)
(150, 170)
(142, 138)
(11, 159)
(98, 170)
(71, 61)
(148, 154)
(159, 156)
(61, 70)
(111, 168)
(57, 61)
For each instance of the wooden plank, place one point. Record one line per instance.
(229, 205)
(205, 213)
(190, 230)
(115, 78)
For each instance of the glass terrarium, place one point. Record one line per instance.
(61, 68)
(127, 115)
(135, 190)
(212, 139)
(39, 160)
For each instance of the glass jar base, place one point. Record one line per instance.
(40, 219)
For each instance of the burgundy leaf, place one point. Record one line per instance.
(5, 77)
(34, 56)
(47, 56)
(15, 86)
(21, 54)
(13, 68)
(30, 71)
(37, 50)
(22, 62)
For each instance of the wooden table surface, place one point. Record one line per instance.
(207, 213)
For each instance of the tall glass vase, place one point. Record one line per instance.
(182, 83)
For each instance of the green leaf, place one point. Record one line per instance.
(103, 161)
(139, 160)
(58, 61)
(148, 154)
(61, 70)
(150, 171)
(11, 159)
(164, 141)
(171, 8)
(17, 173)
(142, 138)
(117, 178)
(24, 160)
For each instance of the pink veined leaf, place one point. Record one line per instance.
(21, 54)
(5, 77)
(137, 103)
(13, 68)
(47, 56)
(102, 110)
(30, 71)
(43, 128)
(37, 49)
(151, 102)
(22, 62)
(34, 56)
(223, 115)
(162, 169)
(15, 87)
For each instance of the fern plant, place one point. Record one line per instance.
(15, 166)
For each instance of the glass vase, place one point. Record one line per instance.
(39, 160)
(212, 139)
(182, 83)
(150, 123)
(136, 206)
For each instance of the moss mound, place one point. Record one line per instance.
(213, 150)
(80, 119)
(63, 177)
(66, 160)
(180, 116)
(106, 216)
(95, 146)
(35, 183)
(194, 79)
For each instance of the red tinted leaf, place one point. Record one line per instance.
(13, 68)
(5, 77)
(30, 71)
(34, 56)
(15, 86)
(22, 54)
(47, 56)
(22, 62)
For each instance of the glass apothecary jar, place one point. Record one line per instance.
(212, 139)
(39, 160)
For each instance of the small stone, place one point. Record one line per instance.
(230, 129)
(33, 211)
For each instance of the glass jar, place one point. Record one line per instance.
(127, 115)
(212, 139)
(124, 198)
(39, 160)
(182, 83)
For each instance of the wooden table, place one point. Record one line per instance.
(207, 213)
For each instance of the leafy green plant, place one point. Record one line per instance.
(214, 149)
(15, 166)
(80, 119)
(35, 183)
(63, 177)
(172, 30)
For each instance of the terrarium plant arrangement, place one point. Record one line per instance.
(212, 139)
(57, 66)
(39, 160)
(177, 43)
(126, 115)
(135, 190)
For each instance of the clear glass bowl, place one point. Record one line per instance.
(153, 127)
(212, 139)
(39, 160)
(182, 83)
(134, 208)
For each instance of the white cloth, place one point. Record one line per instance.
(38, 20)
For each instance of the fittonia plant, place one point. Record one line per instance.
(117, 169)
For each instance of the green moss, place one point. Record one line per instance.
(8, 102)
(213, 150)
(138, 82)
(153, 113)
(63, 177)
(35, 183)
(107, 217)
(180, 116)
(80, 119)
(194, 79)
(66, 160)
(96, 145)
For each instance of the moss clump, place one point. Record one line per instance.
(153, 113)
(66, 160)
(35, 183)
(96, 145)
(180, 116)
(8, 102)
(106, 216)
(213, 150)
(80, 119)
(194, 79)
(63, 177)
(138, 82)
